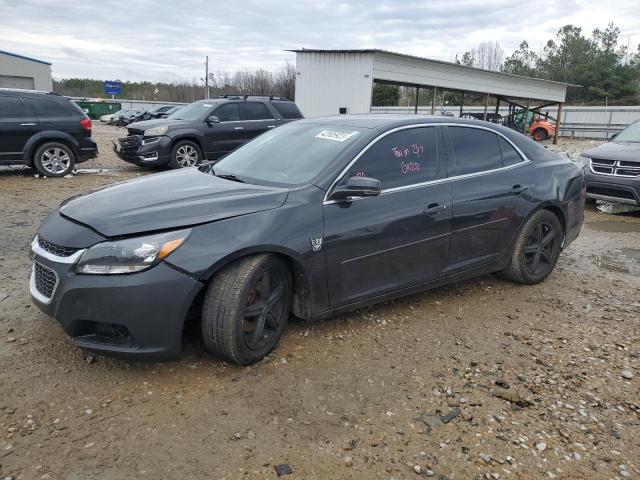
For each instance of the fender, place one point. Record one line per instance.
(41, 137)
(187, 133)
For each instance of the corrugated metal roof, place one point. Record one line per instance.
(387, 52)
(24, 58)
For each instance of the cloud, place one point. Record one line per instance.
(151, 40)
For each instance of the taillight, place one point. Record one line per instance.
(86, 124)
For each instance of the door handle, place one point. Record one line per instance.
(433, 209)
(271, 126)
(238, 128)
(518, 189)
(28, 124)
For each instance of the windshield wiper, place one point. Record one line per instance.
(228, 176)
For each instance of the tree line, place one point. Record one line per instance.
(259, 82)
(607, 71)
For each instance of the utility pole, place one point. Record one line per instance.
(206, 74)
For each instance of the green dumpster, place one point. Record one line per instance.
(97, 109)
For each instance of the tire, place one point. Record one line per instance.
(229, 326)
(185, 153)
(54, 159)
(536, 249)
(539, 135)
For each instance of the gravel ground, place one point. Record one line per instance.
(481, 379)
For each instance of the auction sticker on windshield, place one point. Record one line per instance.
(336, 135)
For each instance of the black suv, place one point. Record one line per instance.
(43, 130)
(203, 130)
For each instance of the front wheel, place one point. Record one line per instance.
(246, 308)
(54, 159)
(539, 135)
(185, 153)
(536, 249)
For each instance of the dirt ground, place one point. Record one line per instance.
(531, 375)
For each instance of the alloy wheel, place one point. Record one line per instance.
(187, 156)
(55, 160)
(539, 250)
(265, 309)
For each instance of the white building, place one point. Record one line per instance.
(330, 82)
(18, 71)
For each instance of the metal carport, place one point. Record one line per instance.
(330, 82)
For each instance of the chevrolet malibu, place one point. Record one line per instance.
(314, 218)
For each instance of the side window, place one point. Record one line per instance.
(474, 150)
(254, 111)
(509, 154)
(401, 158)
(11, 107)
(227, 112)
(288, 110)
(47, 108)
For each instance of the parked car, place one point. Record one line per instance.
(171, 111)
(158, 110)
(110, 116)
(491, 117)
(203, 130)
(311, 219)
(43, 130)
(132, 116)
(613, 169)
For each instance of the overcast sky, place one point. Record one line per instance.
(162, 40)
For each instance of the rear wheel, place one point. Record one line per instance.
(185, 153)
(54, 159)
(246, 308)
(536, 249)
(539, 135)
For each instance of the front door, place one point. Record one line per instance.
(16, 127)
(229, 134)
(491, 195)
(381, 244)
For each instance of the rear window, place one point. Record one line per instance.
(43, 107)
(288, 110)
(11, 107)
(474, 150)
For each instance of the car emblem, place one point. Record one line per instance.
(316, 244)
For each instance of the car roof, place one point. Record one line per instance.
(390, 120)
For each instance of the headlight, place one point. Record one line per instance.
(156, 131)
(130, 255)
(584, 161)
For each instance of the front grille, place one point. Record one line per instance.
(617, 168)
(45, 279)
(57, 250)
(132, 142)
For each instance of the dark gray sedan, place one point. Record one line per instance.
(310, 219)
(613, 172)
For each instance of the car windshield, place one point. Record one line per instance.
(291, 155)
(630, 134)
(193, 111)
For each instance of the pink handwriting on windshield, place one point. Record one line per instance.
(414, 149)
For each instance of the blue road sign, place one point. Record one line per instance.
(112, 88)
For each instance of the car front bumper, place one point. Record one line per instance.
(154, 154)
(138, 316)
(612, 188)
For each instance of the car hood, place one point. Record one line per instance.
(627, 151)
(161, 122)
(169, 200)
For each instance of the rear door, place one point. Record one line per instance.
(223, 137)
(256, 118)
(376, 245)
(491, 195)
(56, 114)
(16, 127)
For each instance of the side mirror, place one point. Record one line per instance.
(357, 187)
(212, 119)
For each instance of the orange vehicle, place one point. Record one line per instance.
(539, 127)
